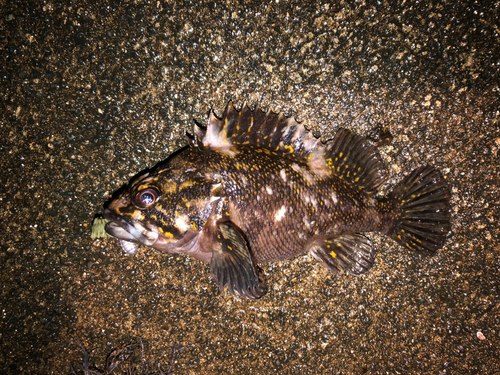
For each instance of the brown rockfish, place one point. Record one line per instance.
(257, 187)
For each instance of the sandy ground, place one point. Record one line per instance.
(93, 94)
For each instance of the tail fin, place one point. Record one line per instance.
(424, 220)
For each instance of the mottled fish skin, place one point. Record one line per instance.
(281, 204)
(257, 187)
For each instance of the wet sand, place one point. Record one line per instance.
(94, 94)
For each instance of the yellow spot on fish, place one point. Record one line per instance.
(333, 254)
(186, 184)
(168, 234)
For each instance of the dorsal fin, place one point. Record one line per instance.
(353, 159)
(265, 130)
(348, 156)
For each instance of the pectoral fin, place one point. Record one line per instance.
(232, 265)
(351, 253)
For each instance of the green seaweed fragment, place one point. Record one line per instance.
(98, 228)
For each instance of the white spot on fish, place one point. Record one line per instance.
(334, 198)
(303, 172)
(370, 202)
(182, 222)
(314, 202)
(280, 214)
(269, 190)
(283, 175)
(306, 222)
(309, 199)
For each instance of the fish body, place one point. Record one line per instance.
(256, 187)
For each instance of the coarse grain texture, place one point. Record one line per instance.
(94, 94)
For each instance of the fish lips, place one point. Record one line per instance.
(127, 233)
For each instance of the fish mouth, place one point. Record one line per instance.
(130, 235)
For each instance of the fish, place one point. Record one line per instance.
(255, 187)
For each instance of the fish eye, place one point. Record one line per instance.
(146, 198)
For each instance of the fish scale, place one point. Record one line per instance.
(257, 187)
(259, 211)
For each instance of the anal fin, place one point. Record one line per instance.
(232, 265)
(348, 253)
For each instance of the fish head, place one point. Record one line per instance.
(154, 212)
